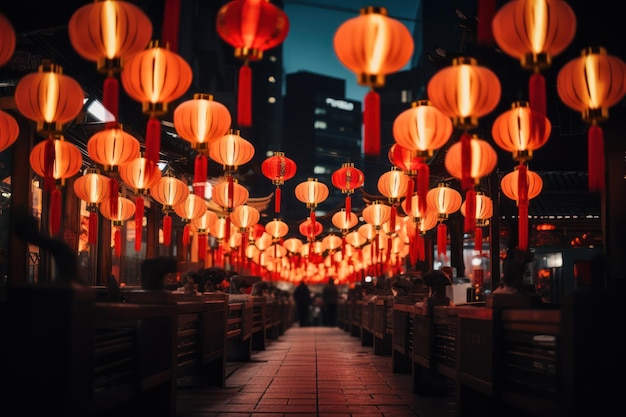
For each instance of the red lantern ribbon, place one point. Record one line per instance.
(348, 207)
(186, 234)
(55, 212)
(167, 230)
(421, 250)
(48, 164)
(409, 194)
(153, 139)
(139, 205)
(244, 96)
(200, 175)
(277, 196)
(118, 242)
(470, 210)
(110, 100)
(486, 12)
(466, 161)
(595, 158)
(442, 239)
(171, 23)
(537, 93)
(423, 178)
(93, 227)
(522, 207)
(478, 240)
(113, 196)
(371, 122)
(202, 244)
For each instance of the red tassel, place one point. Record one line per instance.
(522, 207)
(118, 242)
(167, 230)
(423, 179)
(110, 100)
(478, 240)
(202, 243)
(113, 195)
(153, 140)
(227, 229)
(139, 205)
(421, 250)
(537, 93)
(442, 239)
(244, 96)
(49, 157)
(371, 124)
(55, 212)
(466, 161)
(486, 11)
(186, 234)
(409, 194)
(470, 210)
(200, 175)
(277, 200)
(595, 158)
(171, 23)
(413, 250)
(312, 228)
(231, 191)
(93, 227)
(392, 221)
(348, 207)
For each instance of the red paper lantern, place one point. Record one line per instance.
(277, 229)
(8, 39)
(93, 188)
(279, 169)
(534, 31)
(251, 27)
(344, 221)
(347, 179)
(155, 77)
(376, 214)
(169, 191)
(310, 229)
(229, 194)
(521, 130)
(483, 211)
(123, 212)
(244, 217)
(9, 130)
(231, 151)
(192, 208)
(311, 192)
(373, 45)
(107, 32)
(444, 201)
(203, 225)
(591, 84)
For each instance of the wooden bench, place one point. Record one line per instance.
(78, 357)
(367, 322)
(259, 313)
(402, 338)
(383, 325)
(239, 328)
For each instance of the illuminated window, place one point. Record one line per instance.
(271, 100)
(319, 124)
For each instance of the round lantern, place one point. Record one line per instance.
(444, 201)
(415, 168)
(373, 45)
(244, 217)
(310, 229)
(344, 222)
(521, 130)
(483, 159)
(203, 225)
(521, 185)
(292, 244)
(113, 147)
(9, 130)
(107, 32)
(251, 27)
(263, 241)
(277, 229)
(141, 174)
(123, 212)
(231, 151)
(347, 179)
(92, 187)
(533, 31)
(311, 192)
(393, 184)
(482, 213)
(192, 208)
(423, 128)
(49, 98)
(169, 191)
(355, 239)
(155, 77)
(8, 39)
(590, 85)
(229, 200)
(376, 214)
(279, 169)
(332, 242)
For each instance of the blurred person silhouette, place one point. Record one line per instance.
(330, 300)
(303, 299)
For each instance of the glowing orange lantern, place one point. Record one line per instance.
(277, 229)
(155, 77)
(590, 85)
(279, 169)
(444, 201)
(483, 159)
(347, 179)
(311, 192)
(483, 212)
(203, 225)
(521, 130)
(9, 130)
(192, 208)
(521, 185)
(373, 45)
(251, 27)
(415, 168)
(169, 191)
(534, 31)
(310, 229)
(376, 214)
(92, 188)
(200, 121)
(393, 184)
(8, 39)
(124, 211)
(465, 91)
(66, 163)
(344, 222)
(229, 200)
(107, 32)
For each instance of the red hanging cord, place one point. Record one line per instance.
(93, 227)
(49, 157)
(200, 175)
(371, 124)
(470, 210)
(522, 207)
(110, 100)
(537, 93)
(153, 140)
(139, 205)
(171, 23)
(478, 240)
(595, 158)
(167, 230)
(486, 11)
(244, 96)
(348, 207)
(277, 196)
(186, 234)
(117, 239)
(202, 243)
(466, 161)
(409, 194)
(113, 196)
(55, 212)
(442, 239)
(423, 178)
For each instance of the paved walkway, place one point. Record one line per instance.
(312, 371)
